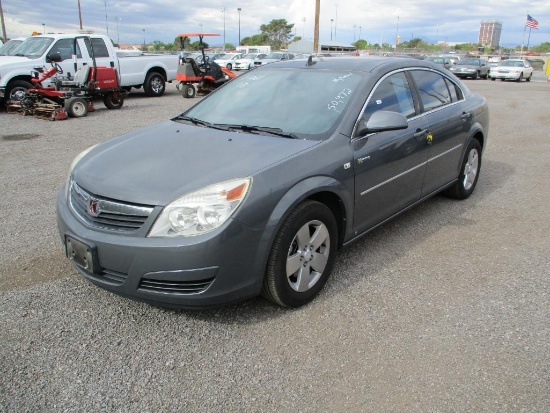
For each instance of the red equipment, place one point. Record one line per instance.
(73, 97)
(207, 76)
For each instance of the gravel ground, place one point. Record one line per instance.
(445, 309)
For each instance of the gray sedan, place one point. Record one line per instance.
(471, 67)
(254, 189)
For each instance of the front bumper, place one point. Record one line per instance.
(464, 73)
(505, 75)
(206, 271)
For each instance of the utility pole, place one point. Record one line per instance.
(239, 10)
(80, 15)
(316, 28)
(4, 35)
(106, 20)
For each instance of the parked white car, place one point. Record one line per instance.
(246, 62)
(512, 69)
(228, 60)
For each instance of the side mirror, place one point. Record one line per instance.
(53, 57)
(383, 120)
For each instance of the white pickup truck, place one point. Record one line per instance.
(150, 71)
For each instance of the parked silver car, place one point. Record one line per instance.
(255, 188)
(273, 57)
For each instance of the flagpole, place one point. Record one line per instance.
(528, 39)
(523, 38)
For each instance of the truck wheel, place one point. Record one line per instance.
(76, 107)
(154, 84)
(17, 89)
(113, 101)
(188, 91)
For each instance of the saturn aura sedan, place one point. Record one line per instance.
(254, 189)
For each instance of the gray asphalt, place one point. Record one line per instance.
(444, 309)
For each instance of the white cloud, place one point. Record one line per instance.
(162, 20)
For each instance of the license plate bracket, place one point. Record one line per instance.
(82, 254)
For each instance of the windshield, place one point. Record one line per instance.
(9, 48)
(511, 63)
(274, 56)
(474, 62)
(225, 57)
(33, 47)
(249, 56)
(302, 102)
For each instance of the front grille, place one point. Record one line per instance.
(105, 213)
(175, 287)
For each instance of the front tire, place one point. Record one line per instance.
(154, 85)
(470, 168)
(528, 79)
(76, 107)
(302, 255)
(520, 77)
(17, 89)
(188, 91)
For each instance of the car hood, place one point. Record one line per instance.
(9, 61)
(263, 61)
(466, 66)
(157, 164)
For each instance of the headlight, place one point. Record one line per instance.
(73, 164)
(201, 211)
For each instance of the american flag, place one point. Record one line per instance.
(532, 22)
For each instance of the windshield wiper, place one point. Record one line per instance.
(265, 129)
(199, 122)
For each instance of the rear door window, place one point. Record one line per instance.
(433, 89)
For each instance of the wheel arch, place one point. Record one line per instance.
(323, 189)
(156, 69)
(24, 78)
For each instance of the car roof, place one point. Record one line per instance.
(359, 64)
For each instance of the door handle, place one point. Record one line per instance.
(465, 116)
(420, 133)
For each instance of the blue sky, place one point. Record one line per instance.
(375, 21)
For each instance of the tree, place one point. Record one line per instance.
(541, 48)
(229, 46)
(360, 44)
(278, 31)
(196, 45)
(256, 40)
(177, 43)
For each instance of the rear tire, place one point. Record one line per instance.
(113, 101)
(302, 255)
(469, 172)
(76, 107)
(154, 85)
